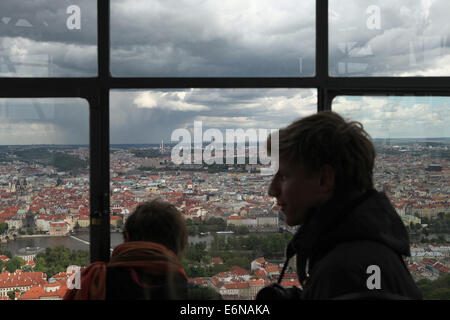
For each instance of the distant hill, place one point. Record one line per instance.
(45, 156)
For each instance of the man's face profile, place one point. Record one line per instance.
(297, 192)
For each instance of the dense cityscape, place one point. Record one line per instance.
(44, 192)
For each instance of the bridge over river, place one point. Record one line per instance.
(4, 238)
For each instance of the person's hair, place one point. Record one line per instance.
(326, 138)
(157, 221)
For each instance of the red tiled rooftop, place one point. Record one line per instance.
(239, 271)
(260, 274)
(256, 282)
(199, 281)
(271, 268)
(236, 285)
(38, 292)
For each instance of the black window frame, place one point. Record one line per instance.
(96, 91)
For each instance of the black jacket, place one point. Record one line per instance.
(339, 242)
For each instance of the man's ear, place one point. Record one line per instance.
(327, 178)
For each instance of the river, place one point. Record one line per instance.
(81, 243)
(77, 242)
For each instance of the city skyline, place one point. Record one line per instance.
(171, 144)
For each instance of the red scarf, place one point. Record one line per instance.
(146, 256)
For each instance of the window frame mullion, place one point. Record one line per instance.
(100, 238)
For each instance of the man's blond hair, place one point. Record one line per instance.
(326, 138)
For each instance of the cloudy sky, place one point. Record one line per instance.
(398, 117)
(225, 38)
(39, 38)
(44, 121)
(151, 116)
(213, 38)
(220, 38)
(389, 38)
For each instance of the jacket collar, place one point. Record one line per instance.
(312, 241)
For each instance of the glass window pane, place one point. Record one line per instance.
(48, 38)
(412, 140)
(216, 196)
(389, 38)
(206, 38)
(44, 189)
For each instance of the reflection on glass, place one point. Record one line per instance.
(254, 38)
(44, 187)
(389, 38)
(231, 220)
(412, 140)
(48, 38)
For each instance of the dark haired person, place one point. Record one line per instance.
(350, 241)
(147, 265)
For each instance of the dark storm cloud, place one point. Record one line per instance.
(36, 41)
(267, 38)
(224, 38)
(211, 38)
(44, 121)
(47, 21)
